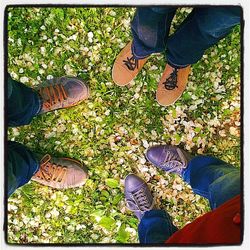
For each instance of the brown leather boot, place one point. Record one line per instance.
(126, 67)
(172, 85)
(61, 173)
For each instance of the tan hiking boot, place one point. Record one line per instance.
(126, 67)
(62, 92)
(61, 173)
(172, 85)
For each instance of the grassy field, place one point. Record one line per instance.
(111, 131)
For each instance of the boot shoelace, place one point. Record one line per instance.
(131, 63)
(172, 163)
(53, 94)
(140, 200)
(50, 171)
(171, 81)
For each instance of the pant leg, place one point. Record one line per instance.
(213, 179)
(209, 177)
(23, 103)
(155, 227)
(203, 28)
(150, 28)
(22, 164)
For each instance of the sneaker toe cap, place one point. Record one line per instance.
(77, 177)
(155, 155)
(77, 89)
(120, 75)
(132, 182)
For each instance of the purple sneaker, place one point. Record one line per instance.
(138, 196)
(169, 158)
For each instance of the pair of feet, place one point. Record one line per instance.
(137, 194)
(171, 86)
(58, 93)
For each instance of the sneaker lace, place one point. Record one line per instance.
(139, 201)
(53, 94)
(173, 163)
(131, 63)
(171, 81)
(50, 171)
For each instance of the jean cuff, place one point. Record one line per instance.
(177, 66)
(40, 104)
(155, 213)
(136, 56)
(38, 166)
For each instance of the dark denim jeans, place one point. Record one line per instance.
(209, 177)
(203, 28)
(23, 105)
(22, 165)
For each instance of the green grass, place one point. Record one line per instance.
(54, 42)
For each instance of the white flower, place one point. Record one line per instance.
(107, 112)
(53, 196)
(47, 215)
(71, 228)
(94, 236)
(233, 131)
(131, 230)
(42, 27)
(58, 234)
(112, 13)
(19, 42)
(12, 207)
(67, 218)
(49, 77)
(43, 50)
(73, 37)
(54, 212)
(90, 35)
(142, 160)
(136, 96)
(44, 66)
(145, 144)
(41, 71)
(24, 79)
(153, 67)
(98, 119)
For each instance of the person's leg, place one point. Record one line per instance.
(208, 176)
(23, 103)
(150, 28)
(60, 92)
(22, 164)
(155, 225)
(203, 28)
(59, 173)
(213, 179)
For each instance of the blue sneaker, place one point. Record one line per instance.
(138, 196)
(168, 158)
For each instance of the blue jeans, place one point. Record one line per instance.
(23, 105)
(209, 177)
(203, 28)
